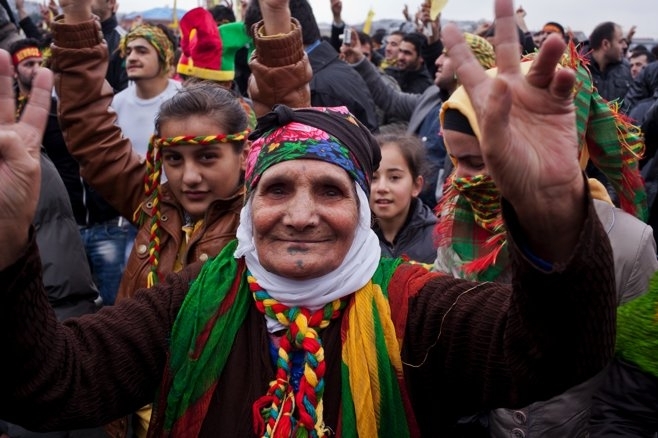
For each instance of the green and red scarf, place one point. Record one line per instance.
(374, 400)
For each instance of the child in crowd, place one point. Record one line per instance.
(404, 224)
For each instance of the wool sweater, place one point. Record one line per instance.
(464, 346)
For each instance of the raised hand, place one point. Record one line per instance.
(405, 12)
(46, 15)
(528, 126)
(53, 7)
(76, 11)
(337, 11)
(352, 52)
(276, 16)
(20, 169)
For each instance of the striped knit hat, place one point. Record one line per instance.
(482, 49)
(208, 50)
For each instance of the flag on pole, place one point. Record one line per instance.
(368, 23)
(436, 7)
(174, 18)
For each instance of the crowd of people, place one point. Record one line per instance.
(245, 228)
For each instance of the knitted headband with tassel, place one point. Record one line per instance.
(152, 180)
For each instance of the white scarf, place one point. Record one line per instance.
(354, 272)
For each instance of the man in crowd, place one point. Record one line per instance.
(410, 71)
(639, 59)
(149, 55)
(611, 74)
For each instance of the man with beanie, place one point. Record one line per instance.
(148, 54)
(421, 110)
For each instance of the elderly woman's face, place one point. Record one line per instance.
(305, 216)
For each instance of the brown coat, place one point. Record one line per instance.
(109, 164)
(466, 347)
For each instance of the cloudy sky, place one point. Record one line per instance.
(580, 15)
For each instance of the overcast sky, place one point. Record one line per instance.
(580, 15)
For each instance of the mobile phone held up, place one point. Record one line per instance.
(347, 36)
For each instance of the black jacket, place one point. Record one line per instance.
(415, 239)
(411, 81)
(89, 207)
(335, 83)
(66, 274)
(116, 72)
(643, 87)
(614, 82)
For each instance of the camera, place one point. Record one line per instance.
(347, 36)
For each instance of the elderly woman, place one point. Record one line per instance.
(300, 328)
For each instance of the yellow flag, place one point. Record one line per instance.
(368, 23)
(174, 17)
(436, 8)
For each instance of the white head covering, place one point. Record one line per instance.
(354, 272)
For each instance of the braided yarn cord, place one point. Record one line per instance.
(152, 180)
(282, 412)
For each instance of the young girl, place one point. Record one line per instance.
(200, 145)
(404, 224)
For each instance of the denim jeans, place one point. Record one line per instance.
(105, 244)
(131, 235)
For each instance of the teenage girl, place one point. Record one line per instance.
(403, 223)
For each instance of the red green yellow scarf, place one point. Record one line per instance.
(373, 397)
(471, 225)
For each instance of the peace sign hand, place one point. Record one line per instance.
(20, 149)
(529, 139)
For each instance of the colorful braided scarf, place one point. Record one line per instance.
(296, 140)
(152, 180)
(373, 398)
(283, 412)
